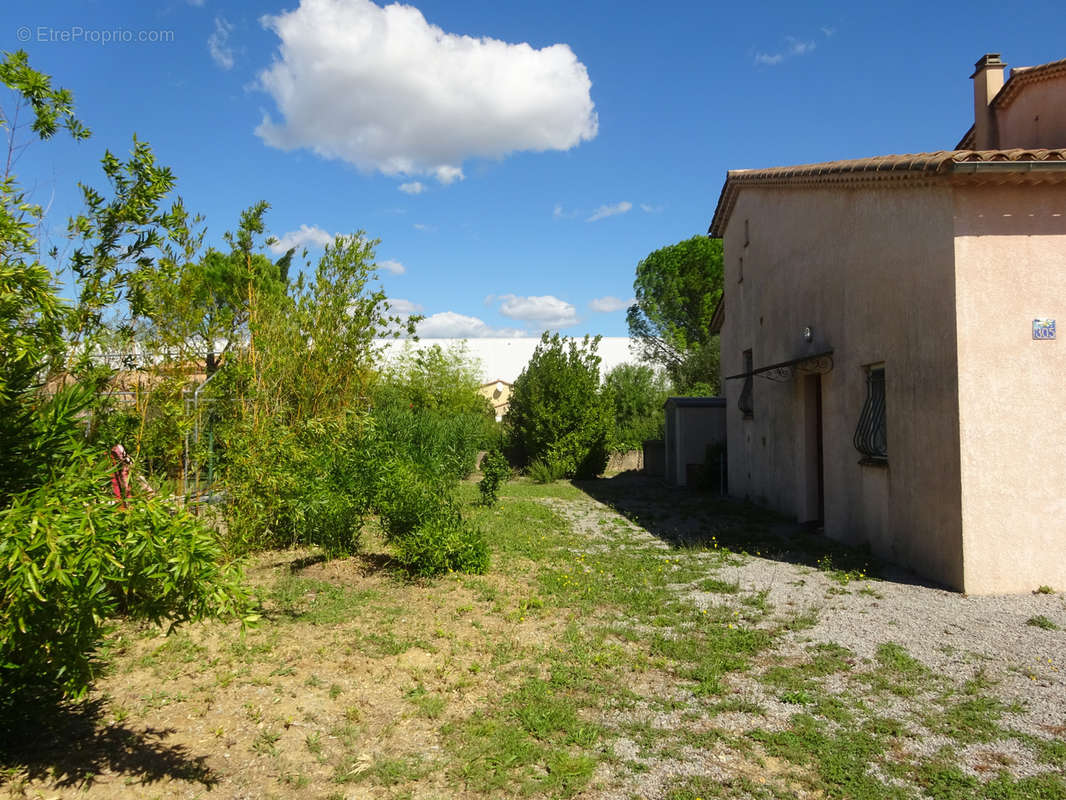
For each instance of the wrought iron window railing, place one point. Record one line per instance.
(870, 435)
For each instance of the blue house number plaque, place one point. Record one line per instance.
(1044, 328)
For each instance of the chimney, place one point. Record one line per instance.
(987, 81)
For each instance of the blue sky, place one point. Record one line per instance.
(516, 160)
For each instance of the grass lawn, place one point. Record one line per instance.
(601, 656)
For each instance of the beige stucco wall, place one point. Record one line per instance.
(1011, 268)
(871, 270)
(1036, 118)
(498, 393)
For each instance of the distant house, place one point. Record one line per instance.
(499, 394)
(889, 342)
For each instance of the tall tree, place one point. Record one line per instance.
(677, 289)
(198, 308)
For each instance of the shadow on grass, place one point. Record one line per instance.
(69, 745)
(320, 565)
(688, 517)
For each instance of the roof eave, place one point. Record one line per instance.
(896, 169)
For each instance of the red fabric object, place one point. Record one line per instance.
(120, 477)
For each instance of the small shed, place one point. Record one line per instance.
(693, 425)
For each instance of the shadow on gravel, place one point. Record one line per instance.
(68, 743)
(694, 518)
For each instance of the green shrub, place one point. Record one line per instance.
(428, 404)
(637, 393)
(423, 523)
(495, 471)
(442, 543)
(70, 559)
(542, 471)
(149, 423)
(295, 485)
(441, 444)
(436, 379)
(406, 499)
(558, 412)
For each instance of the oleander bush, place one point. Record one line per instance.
(443, 542)
(71, 557)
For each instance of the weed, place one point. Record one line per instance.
(973, 720)
(1042, 622)
(429, 705)
(296, 780)
(897, 671)
(264, 742)
(798, 697)
(719, 586)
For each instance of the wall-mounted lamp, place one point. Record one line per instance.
(808, 334)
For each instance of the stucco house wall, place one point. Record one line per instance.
(1010, 267)
(1036, 117)
(934, 265)
(870, 269)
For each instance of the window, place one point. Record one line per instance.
(746, 404)
(870, 437)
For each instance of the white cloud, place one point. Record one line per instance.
(447, 174)
(609, 211)
(795, 47)
(395, 267)
(403, 307)
(610, 303)
(768, 59)
(423, 228)
(648, 208)
(196, 3)
(218, 44)
(561, 213)
(306, 236)
(546, 310)
(383, 89)
(414, 187)
(449, 325)
(828, 30)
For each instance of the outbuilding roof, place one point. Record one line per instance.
(898, 167)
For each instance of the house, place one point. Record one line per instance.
(888, 335)
(498, 393)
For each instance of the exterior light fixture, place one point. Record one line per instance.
(808, 334)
